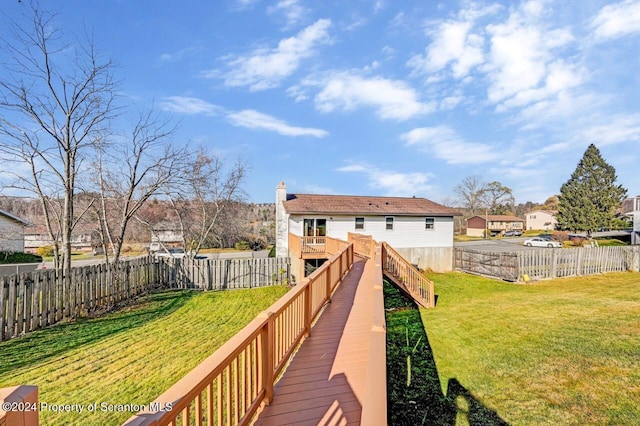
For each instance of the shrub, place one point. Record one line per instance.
(17, 257)
(256, 244)
(561, 236)
(242, 245)
(272, 251)
(45, 251)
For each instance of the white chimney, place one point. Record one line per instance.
(282, 222)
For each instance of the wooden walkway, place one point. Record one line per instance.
(326, 382)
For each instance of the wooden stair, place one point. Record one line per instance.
(407, 277)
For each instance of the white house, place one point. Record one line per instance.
(419, 229)
(11, 232)
(631, 208)
(541, 219)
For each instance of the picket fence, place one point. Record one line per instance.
(547, 263)
(32, 300)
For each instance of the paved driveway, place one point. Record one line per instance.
(495, 245)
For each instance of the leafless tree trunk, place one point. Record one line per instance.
(129, 173)
(210, 188)
(55, 100)
(470, 192)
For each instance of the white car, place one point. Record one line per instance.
(542, 242)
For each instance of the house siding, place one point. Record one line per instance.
(11, 235)
(427, 248)
(540, 220)
(407, 232)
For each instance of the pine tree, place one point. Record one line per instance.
(590, 198)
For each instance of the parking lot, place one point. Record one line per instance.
(495, 245)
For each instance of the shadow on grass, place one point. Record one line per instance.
(39, 346)
(415, 396)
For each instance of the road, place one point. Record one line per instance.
(495, 245)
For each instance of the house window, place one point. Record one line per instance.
(359, 223)
(389, 221)
(429, 223)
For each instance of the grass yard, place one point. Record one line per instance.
(563, 351)
(128, 357)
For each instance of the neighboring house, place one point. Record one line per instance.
(11, 232)
(165, 234)
(631, 208)
(419, 229)
(477, 225)
(82, 238)
(36, 236)
(541, 220)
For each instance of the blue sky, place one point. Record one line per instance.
(383, 97)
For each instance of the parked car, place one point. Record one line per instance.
(542, 242)
(177, 253)
(512, 233)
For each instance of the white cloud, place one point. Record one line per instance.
(444, 143)
(188, 105)
(455, 43)
(452, 44)
(256, 120)
(617, 129)
(392, 182)
(523, 64)
(293, 12)
(617, 20)
(392, 99)
(243, 4)
(266, 68)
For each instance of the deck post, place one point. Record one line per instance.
(268, 342)
(328, 283)
(307, 310)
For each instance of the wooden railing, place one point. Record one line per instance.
(374, 405)
(363, 245)
(407, 277)
(313, 244)
(321, 246)
(231, 385)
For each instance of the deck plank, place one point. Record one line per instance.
(325, 382)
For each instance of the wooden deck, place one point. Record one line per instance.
(327, 380)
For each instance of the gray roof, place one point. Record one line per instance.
(13, 217)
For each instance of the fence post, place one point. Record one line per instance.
(579, 266)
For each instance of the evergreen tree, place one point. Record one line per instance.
(590, 198)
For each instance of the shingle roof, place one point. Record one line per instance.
(13, 217)
(500, 218)
(364, 205)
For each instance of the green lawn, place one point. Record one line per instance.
(558, 352)
(129, 357)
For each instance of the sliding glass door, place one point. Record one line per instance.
(315, 228)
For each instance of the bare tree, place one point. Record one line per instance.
(470, 194)
(204, 195)
(56, 99)
(131, 172)
(498, 198)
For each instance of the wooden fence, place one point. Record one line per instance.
(489, 264)
(229, 386)
(224, 274)
(547, 263)
(33, 300)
